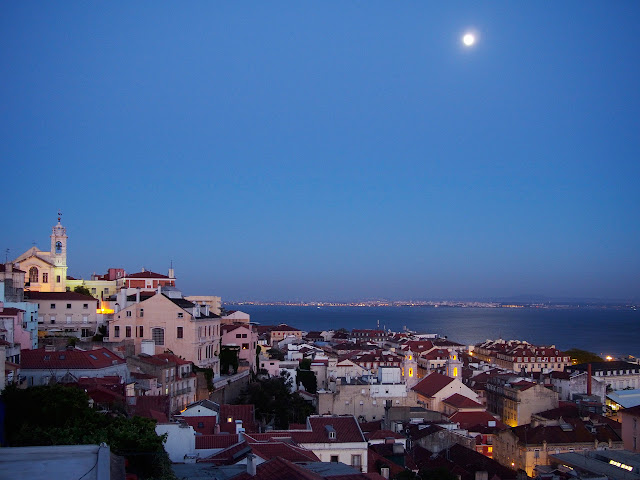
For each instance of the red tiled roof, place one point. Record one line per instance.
(383, 434)
(173, 358)
(469, 419)
(246, 413)
(432, 384)
(152, 406)
(288, 451)
(346, 428)
(417, 346)
(557, 435)
(71, 296)
(69, 359)
(146, 274)
(208, 424)
(280, 469)
(284, 328)
(9, 312)
(460, 401)
(229, 455)
(374, 459)
(221, 440)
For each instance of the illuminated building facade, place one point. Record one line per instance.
(46, 271)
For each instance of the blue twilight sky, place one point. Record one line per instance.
(329, 150)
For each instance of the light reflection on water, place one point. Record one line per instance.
(603, 331)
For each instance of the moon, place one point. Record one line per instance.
(468, 39)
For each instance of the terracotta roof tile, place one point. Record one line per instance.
(432, 384)
(221, 440)
(146, 274)
(460, 401)
(69, 359)
(59, 296)
(280, 469)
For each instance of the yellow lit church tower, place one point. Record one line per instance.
(454, 365)
(59, 255)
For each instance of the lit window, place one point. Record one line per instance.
(229, 419)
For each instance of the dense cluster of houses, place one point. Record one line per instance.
(385, 402)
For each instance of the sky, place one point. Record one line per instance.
(329, 150)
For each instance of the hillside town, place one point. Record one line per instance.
(235, 399)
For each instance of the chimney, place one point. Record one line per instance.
(8, 267)
(251, 464)
(138, 295)
(216, 428)
(589, 379)
(239, 426)
(384, 471)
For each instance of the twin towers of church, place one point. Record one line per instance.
(453, 367)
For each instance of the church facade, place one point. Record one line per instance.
(46, 271)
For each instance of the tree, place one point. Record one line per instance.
(306, 376)
(82, 290)
(275, 405)
(229, 358)
(60, 415)
(582, 356)
(275, 353)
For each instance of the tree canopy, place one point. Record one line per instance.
(582, 356)
(83, 290)
(60, 415)
(275, 404)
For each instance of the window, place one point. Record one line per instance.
(85, 306)
(116, 331)
(53, 306)
(141, 333)
(45, 278)
(157, 334)
(141, 312)
(127, 332)
(245, 346)
(244, 335)
(536, 453)
(180, 333)
(94, 291)
(356, 460)
(58, 247)
(85, 318)
(129, 313)
(68, 305)
(180, 315)
(57, 278)
(85, 332)
(53, 319)
(33, 275)
(334, 458)
(238, 335)
(69, 318)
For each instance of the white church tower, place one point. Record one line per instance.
(59, 256)
(454, 365)
(410, 369)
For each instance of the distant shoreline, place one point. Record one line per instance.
(443, 304)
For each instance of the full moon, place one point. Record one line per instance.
(468, 39)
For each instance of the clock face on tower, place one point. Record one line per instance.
(58, 247)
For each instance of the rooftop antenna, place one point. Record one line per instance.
(6, 256)
(59, 215)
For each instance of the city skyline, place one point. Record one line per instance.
(330, 153)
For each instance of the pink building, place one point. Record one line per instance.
(631, 428)
(244, 336)
(13, 332)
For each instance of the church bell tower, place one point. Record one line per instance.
(59, 256)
